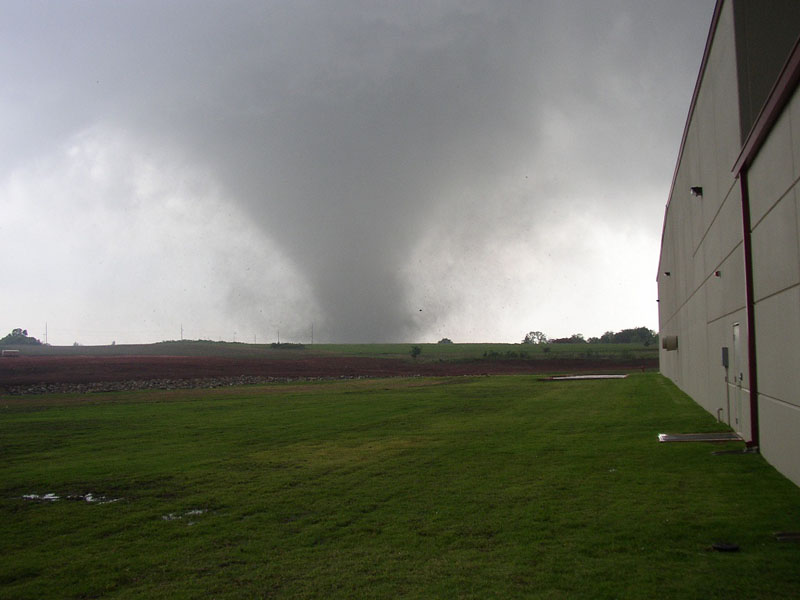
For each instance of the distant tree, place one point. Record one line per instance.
(637, 335)
(535, 337)
(575, 338)
(445, 341)
(415, 352)
(19, 337)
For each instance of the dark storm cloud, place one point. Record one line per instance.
(344, 128)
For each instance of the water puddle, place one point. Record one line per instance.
(90, 498)
(187, 515)
(194, 512)
(45, 497)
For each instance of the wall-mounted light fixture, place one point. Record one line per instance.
(717, 273)
(667, 273)
(696, 191)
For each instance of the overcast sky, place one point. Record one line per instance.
(379, 171)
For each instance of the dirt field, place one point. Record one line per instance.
(21, 371)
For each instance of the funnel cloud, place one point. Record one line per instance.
(374, 171)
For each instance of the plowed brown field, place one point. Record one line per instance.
(87, 369)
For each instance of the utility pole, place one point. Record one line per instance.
(181, 331)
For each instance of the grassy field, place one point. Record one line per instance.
(492, 487)
(473, 351)
(430, 352)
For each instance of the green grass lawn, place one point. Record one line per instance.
(493, 487)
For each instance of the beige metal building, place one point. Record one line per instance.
(729, 272)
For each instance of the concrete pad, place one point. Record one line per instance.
(582, 377)
(725, 436)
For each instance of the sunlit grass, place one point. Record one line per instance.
(464, 487)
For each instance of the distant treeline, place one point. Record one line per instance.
(638, 335)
